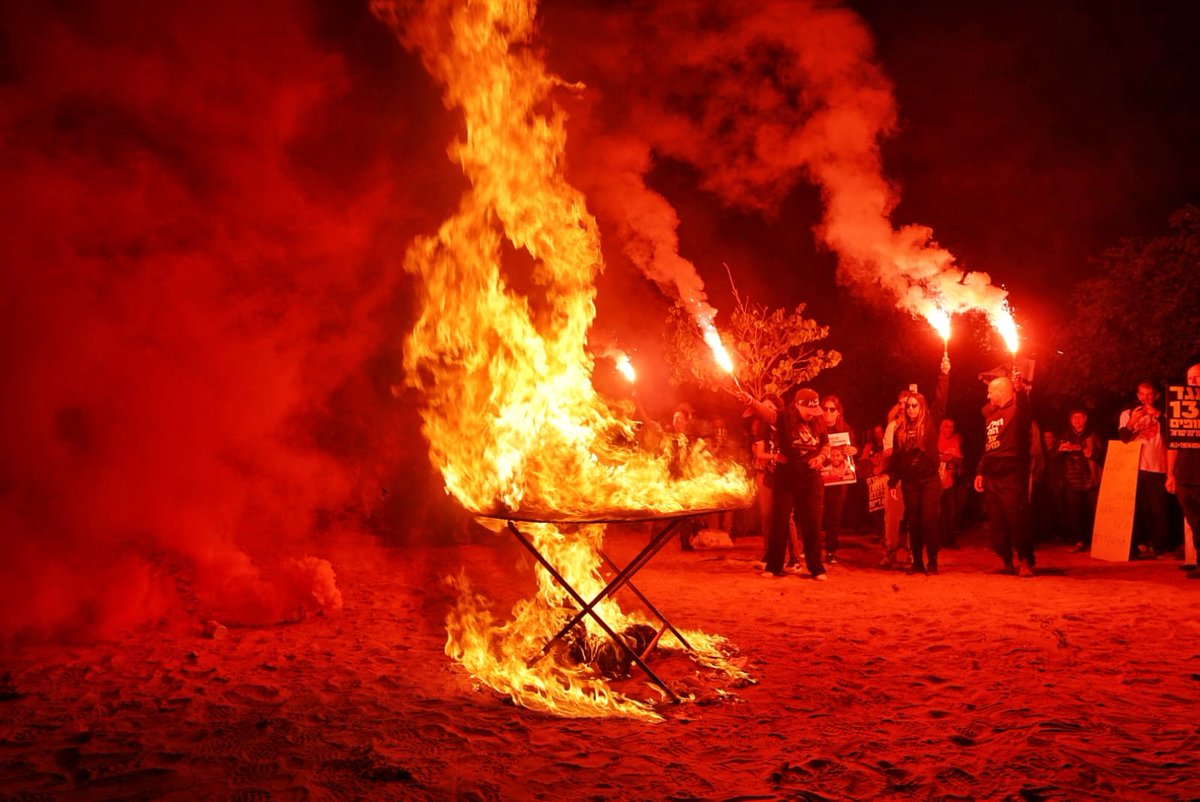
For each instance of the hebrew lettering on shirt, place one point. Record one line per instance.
(993, 434)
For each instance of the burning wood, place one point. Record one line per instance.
(611, 661)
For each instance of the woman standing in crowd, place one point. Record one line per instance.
(914, 466)
(1076, 454)
(835, 495)
(766, 458)
(950, 454)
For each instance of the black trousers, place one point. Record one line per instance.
(1189, 499)
(1151, 522)
(922, 508)
(1079, 509)
(1006, 501)
(799, 495)
(835, 505)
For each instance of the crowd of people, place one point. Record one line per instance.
(908, 480)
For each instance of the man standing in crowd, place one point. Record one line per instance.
(1003, 473)
(1183, 476)
(803, 447)
(1144, 423)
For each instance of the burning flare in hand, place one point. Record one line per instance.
(625, 366)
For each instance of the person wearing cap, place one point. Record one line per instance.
(802, 447)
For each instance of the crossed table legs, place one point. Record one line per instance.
(621, 579)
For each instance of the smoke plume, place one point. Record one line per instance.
(181, 300)
(758, 98)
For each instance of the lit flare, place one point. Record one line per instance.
(625, 367)
(1003, 320)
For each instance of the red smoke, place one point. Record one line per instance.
(183, 298)
(759, 99)
(204, 214)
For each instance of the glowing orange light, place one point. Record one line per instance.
(512, 419)
(940, 321)
(625, 366)
(713, 338)
(1003, 320)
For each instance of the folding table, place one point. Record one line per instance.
(621, 579)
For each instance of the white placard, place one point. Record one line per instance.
(1112, 534)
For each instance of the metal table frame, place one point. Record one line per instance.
(621, 579)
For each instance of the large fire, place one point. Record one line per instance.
(512, 419)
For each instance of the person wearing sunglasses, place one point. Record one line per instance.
(913, 469)
(835, 494)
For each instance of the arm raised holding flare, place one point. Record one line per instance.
(913, 470)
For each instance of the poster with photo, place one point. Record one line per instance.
(839, 468)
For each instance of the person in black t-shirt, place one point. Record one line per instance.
(1003, 473)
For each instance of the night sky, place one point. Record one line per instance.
(206, 207)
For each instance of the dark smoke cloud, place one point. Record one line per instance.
(200, 277)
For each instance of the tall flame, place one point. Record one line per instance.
(513, 422)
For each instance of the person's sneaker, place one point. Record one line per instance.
(932, 568)
(831, 558)
(915, 568)
(821, 577)
(773, 575)
(1024, 569)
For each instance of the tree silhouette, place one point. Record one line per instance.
(772, 349)
(1137, 318)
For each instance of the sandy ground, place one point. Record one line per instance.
(1081, 683)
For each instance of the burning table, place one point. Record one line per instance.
(622, 578)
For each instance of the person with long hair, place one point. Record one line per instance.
(913, 468)
(766, 459)
(835, 495)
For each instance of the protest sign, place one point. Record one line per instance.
(839, 465)
(1112, 533)
(1183, 416)
(876, 488)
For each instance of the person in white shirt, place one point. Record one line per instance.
(1143, 423)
